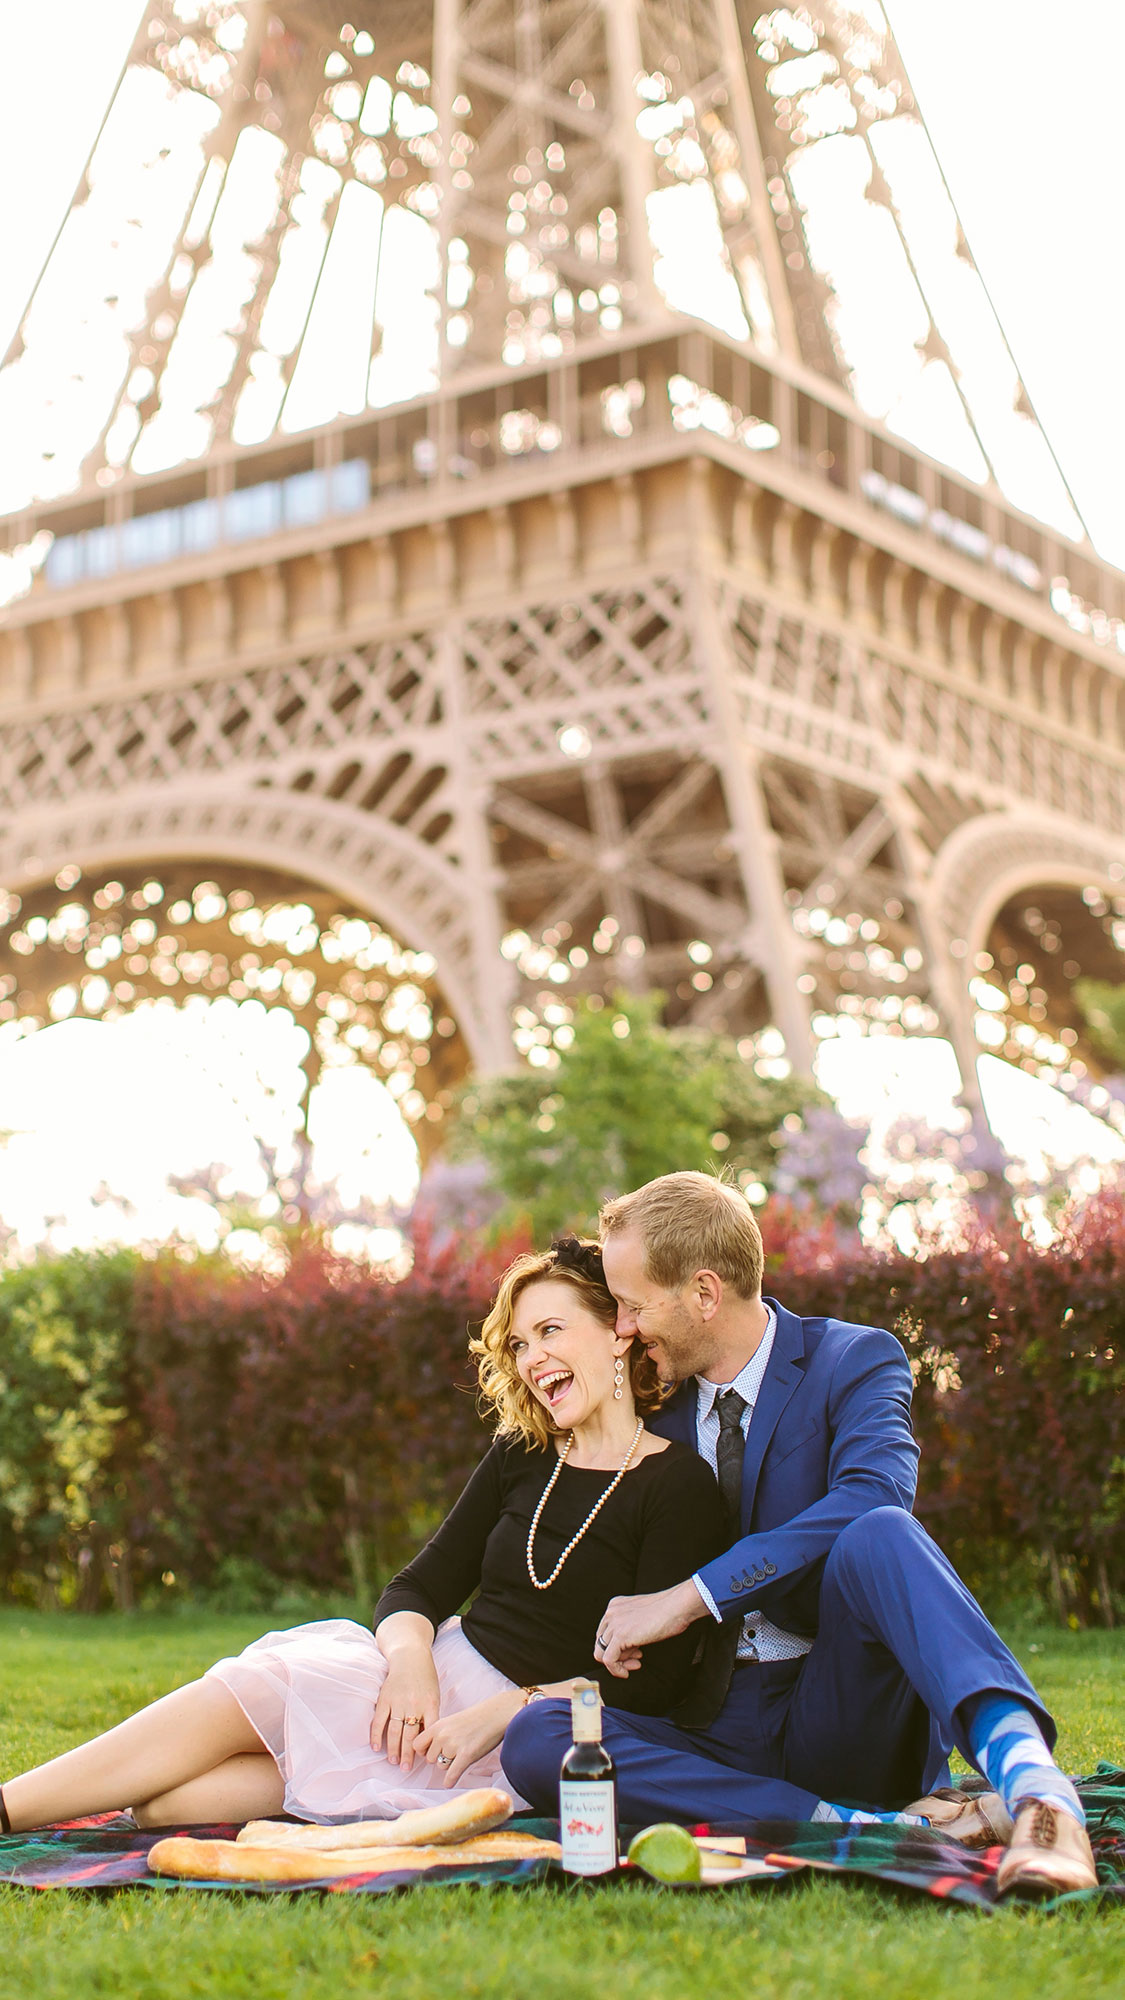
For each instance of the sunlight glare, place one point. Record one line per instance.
(690, 265)
(102, 1114)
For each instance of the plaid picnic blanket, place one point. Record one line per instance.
(109, 1852)
(914, 1858)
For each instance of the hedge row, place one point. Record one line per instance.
(171, 1427)
(1018, 1355)
(193, 1422)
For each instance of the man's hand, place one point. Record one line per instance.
(629, 1624)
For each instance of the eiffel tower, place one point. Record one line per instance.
(469, 485)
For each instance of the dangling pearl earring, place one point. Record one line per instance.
(618, 1379)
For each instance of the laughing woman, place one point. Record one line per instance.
(574, 1503)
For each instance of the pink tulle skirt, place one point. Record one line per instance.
(310, 1693)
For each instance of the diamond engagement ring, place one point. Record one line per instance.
(442, 1758)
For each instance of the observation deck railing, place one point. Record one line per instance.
(605, 407)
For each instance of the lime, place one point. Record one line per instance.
(667, 1853)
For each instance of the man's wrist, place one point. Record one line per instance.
(691, 1602)
(709, 1604)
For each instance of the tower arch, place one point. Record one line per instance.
(1032, 905)
(991, 858)
(377, 867)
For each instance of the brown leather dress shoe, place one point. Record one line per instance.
(973, 1819)
(1049, 1853)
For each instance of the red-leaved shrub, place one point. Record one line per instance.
(308, 1430)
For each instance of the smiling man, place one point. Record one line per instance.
(840, 1657)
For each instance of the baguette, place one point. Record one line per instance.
(457, 1818)
(234, 1861)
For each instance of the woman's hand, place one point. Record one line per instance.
(456, 1741)
(410, 1698)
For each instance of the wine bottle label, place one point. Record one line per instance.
(588, 1820)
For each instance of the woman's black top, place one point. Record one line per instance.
(661, 1523)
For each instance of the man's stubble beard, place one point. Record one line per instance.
(687, 1349)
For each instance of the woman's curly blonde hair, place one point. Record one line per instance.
(577, 1262)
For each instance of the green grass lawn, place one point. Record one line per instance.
(63, 1678)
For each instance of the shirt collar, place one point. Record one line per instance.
(748, 1381)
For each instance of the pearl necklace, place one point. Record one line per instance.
(595, 1510)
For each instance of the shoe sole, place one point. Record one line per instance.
(1042, 1885)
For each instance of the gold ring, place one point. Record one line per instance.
(415, 1720)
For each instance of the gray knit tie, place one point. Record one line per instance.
(729, 1456)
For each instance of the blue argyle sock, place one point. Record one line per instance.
(864, 1816)
(1008, 1749)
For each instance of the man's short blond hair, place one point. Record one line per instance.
(687, 1223)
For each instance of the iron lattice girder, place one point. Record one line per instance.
(536, 137)
(289, 729)
(859, 711)
(706, 625)
(385, 757)
(639, 622)
(709, 914)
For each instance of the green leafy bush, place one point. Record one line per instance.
(68, 1430)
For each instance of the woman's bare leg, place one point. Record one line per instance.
(248, 1786)
(180, 1737)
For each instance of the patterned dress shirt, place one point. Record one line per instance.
(759, 1640)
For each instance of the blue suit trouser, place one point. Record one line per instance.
(867, 1717)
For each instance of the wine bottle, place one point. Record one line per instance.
(588, 1790)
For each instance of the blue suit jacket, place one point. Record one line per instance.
(829, 1440)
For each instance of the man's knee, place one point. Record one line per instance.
(533, 1748)
(881, 1533)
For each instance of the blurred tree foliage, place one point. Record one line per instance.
(628, 1100)
(1103, 1010)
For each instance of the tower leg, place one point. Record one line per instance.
(495, 979)
(949, 991)
(623, 46)
(774, 943)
